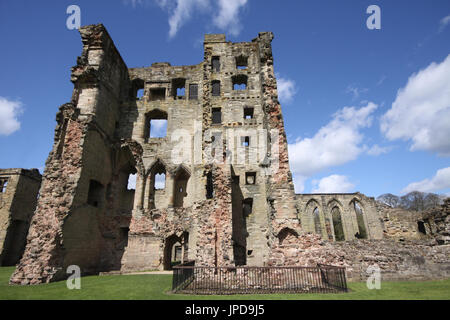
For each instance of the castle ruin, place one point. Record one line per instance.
(208, 148)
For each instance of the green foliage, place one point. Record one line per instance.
(157, 287)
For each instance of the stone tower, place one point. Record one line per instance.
(206, 144)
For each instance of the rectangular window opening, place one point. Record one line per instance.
(248, 113)
(245, 141)
(157, 94)
(250, 177)
(241, 63)
(215, 62)
(216, 116)
(178, 88)
(216, 88)
(193, 91)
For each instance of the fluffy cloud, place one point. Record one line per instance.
(440, 181)
(228, 16)
(180, 11)
(9, 112)
(376, 150)
(421, 110)
(336, 143)
(333, 184)
(286, 89)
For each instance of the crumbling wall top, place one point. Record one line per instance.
(211, 38)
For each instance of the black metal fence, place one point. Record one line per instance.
(187, 278)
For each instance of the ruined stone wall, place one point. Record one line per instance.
(18, 196)
(228, 196)
(209, 220)
(72, 224)
(405, 260)
(322, 219)
(399, 223)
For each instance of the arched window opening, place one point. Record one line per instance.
(337, 224)
(362, 233)
(160, 181)
(155, 124)
(239, 82)
(3, 185)
(317, 225)
(137, 89)
(175, 250)
(131, 185)
(180, 187)
(157, 184)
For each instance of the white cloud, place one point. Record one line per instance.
(228, 16)
(181, 11)
(421, 110)
(334, 144)
(333, 184)
(356, 92)
(9, 112)
(440, 181)
(444, 22)
(286, 89)
(376, 150)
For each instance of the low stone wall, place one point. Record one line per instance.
(398, 260)
(407, 260)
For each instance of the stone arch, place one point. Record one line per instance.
(336, 211)
(137, 85)
(171, 254)
(313, 211)
(336, 215)
(285, 234)
(358, 207)
(155, 114)
(158, 168)
(181, 178)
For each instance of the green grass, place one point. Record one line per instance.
(157, 287)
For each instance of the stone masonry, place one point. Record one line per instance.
(19, 189)
(207, 146)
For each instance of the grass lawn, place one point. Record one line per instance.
(157, 287)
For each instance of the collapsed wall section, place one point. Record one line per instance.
(72, 223)
(19, 190)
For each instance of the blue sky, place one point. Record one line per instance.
(365, 110)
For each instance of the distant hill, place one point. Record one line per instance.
(415, 200)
